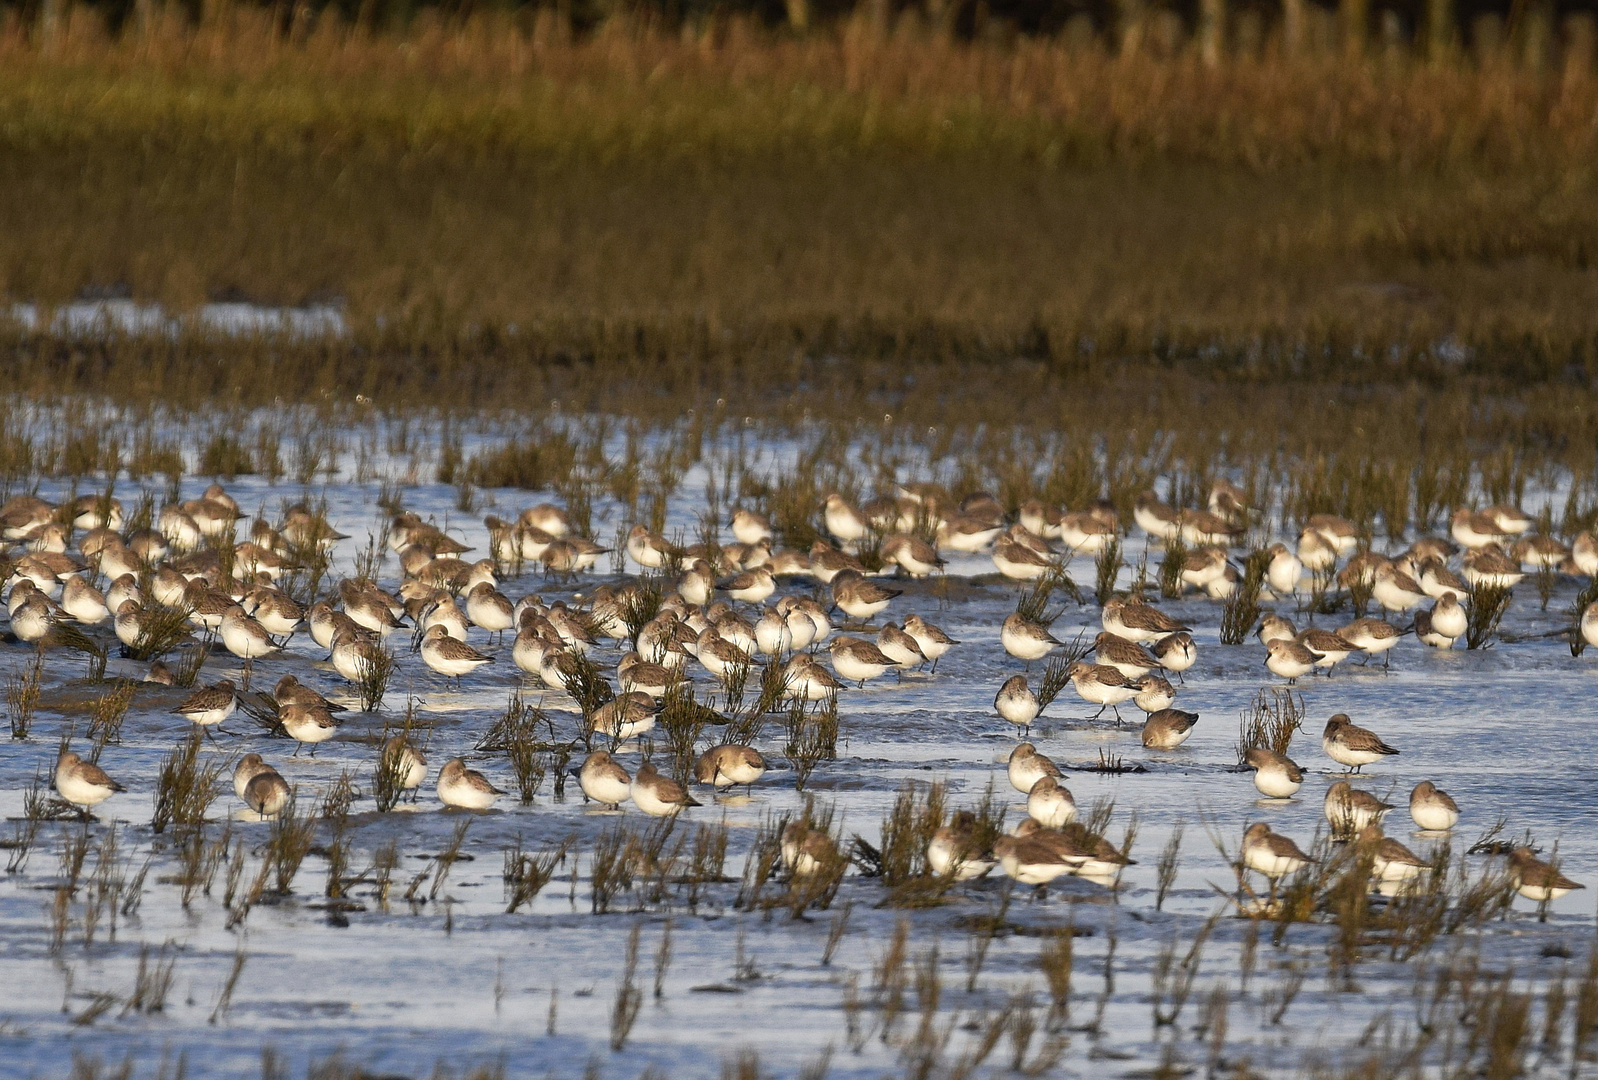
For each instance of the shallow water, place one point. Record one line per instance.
(1507, 731)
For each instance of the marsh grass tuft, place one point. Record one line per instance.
(161, 629)
(22, 696)
(1107, 568)
(107, 713)
(375, 673)
(1171, 569)
(516, 733)
(185, 787)
(1272, 718)
(68, 636)
(526, 874)
(1033, 603)
(812, 736)
(1241, 612)
(1484, 610)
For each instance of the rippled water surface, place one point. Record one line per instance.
(398, 988)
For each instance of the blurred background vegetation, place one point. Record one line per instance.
(1264, 191)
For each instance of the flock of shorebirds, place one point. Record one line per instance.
(77, 565)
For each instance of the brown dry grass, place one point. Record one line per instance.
(633, 197)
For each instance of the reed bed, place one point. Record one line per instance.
(1261, 213)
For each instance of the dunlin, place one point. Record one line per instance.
(1155, 518)
(900, 647)
(83, 602)
(657, 795)
(604, 780)
(1437, 581)
(730, 765)
(1203, 566)
(1372, 636)
(1329, 648)
(1154, 694)
(1336, 531)
(1271, 854)
(636, 673)
(1489, 566)
(1283, 571)
(546, 517)
(1026, 767)
(1509, 520)
(1396, 590)
(1433, 810)
(449, 657)
(1103, 862)
(291, 690)
(1449, 618)
(489, 609)
(954, 851)
(33, 619)
(1292, 660)
(356, 653)
(749, 527)
(750, 586)
(1274, 627)
(773, 637)
(719, 656)
(1350, 745)
(1050, 804)
(1228, 500)
(1101, 685)
(1202, 528)
(1127, 657)
(1168, 728)
(1276, 776)
(1390, 860)
(858, 597)
(210, 705)
(1362, 569)
(912, 555)
(963, 532)
(806, 680)
(697, 583)
(445, 614)
(245, 637)
(1031, 860)
(280, 615)
(845, 523)
(1427, 636)
(856, 661)
(465, 788)
(806, 850)
(1017, 703)
(827, 562)
(626, 716)
(1349, 809)
(1176, 653)
(1537, 880)
(307, 725)
(1026, 640)
(649, 550)
(1040, 520)
(1584, 553)
(83, 783)
(1087, 533)
(1137, 620)
(406, 764)
(1315, 553)
(1019, 563)
(1539, 552)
